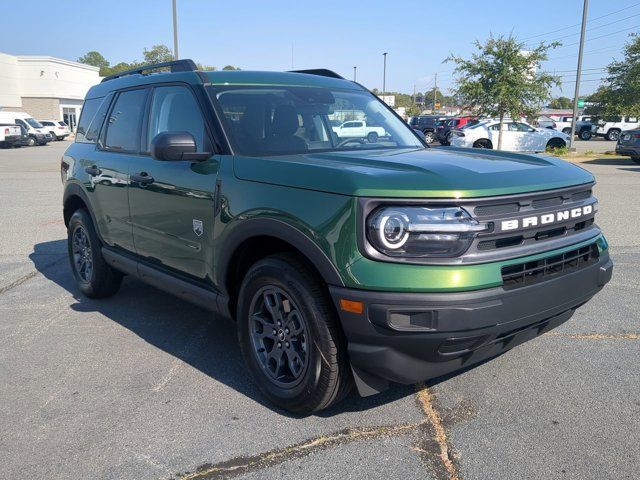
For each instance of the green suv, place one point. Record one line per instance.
(342, 259)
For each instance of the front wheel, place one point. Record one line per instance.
(290, 336)
(94, 277)
(556, 144)
(585, 135)
(372, 137)
(483, 143)
(613, 135)
(31, 142)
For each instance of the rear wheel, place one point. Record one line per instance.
(585, 134)
(613, 135)
(372, 137)
(93, 276)
(483, 143)
(53, 137)
(31, 142)
(429, 137)
(290, 337)
(566, 131)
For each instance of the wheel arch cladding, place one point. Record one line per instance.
(258, 238)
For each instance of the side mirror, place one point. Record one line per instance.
(176, 147)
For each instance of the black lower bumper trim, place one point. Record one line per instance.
(411, 337)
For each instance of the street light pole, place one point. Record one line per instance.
(585, 8)
(354, 73)
(175, 31)
(384, 75)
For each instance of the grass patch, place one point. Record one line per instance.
(558, 152)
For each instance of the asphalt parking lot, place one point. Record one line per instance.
(143, 385)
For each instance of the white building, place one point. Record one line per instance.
(45, 87)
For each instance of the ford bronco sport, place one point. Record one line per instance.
(342, 261)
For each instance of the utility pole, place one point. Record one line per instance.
(585, 8)
(175, 32)
(435, 89)
(384, 75)
(354, 73)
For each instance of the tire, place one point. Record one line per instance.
(429, 137)
(566, 131)
(483, 143)
(94, 277)
(372, 137)
(613, 135)
(315, 373)
(31, 142)
(585, 135)
(556, 143)
(53, 137)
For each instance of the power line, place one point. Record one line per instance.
(601, 36)
(577, 24)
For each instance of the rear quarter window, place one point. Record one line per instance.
(89, 110)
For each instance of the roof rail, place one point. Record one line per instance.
(323, 72)
(185, 65)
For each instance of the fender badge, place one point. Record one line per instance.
(198, 228)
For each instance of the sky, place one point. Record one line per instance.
(338, 35)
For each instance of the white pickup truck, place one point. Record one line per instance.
(9, 134)
(359, 129)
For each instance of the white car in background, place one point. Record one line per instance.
(57, 128)
(610, 128)
(359, 129)
(516, 136)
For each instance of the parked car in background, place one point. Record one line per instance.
(629, 145)
(359, 129)
(544, 121)
(444, 127)
(427, 124)
(585, 127)
(611, 127)
(57, 128)
(38, 135)
(516, 136)
(24, 138)
(9, 135)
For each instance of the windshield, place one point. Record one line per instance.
(274, 120)
(33, 122)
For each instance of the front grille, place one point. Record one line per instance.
(529, 273)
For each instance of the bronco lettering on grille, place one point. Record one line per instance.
(545, 219)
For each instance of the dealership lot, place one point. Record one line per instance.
(143, 385)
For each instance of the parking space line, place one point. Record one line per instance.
(596, 336)
(243, 465)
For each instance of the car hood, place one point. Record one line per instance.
(421, 173)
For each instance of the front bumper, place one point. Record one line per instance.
(410, 337)
(628, 150)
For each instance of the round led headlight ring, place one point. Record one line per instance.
(392, 229)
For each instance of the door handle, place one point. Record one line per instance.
(93, 170)
(143, 178)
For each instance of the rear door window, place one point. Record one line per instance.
(123, 124)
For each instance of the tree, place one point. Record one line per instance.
(157, 54)
(621, 93)
(230, 67)
(503, 79)
(95, 59)
(561, 102)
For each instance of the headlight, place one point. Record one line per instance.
(422, 231)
